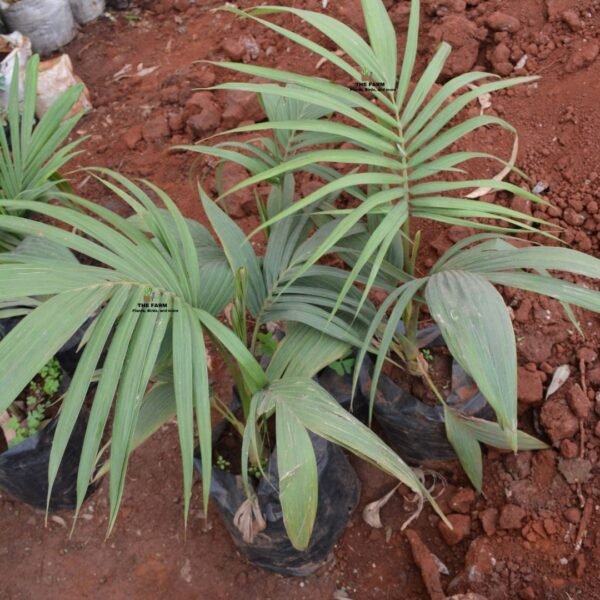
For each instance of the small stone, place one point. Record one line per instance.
(480, 560)
(558, 421)
(530, 390)
(499, 21)
(511, 517)
(572, 217)
(200, 124)
(535, 347)
(518, 465)
(587, 355)
(200, 101)
(523, 312)
(240, 203)
(489, 519)
(520, 204)
(133, 136)
(504, 68)
(572, 515)
(176, 121)
(575, 470)
(579, 402)
(584, 54)
(571, 18)
(233, 48)
(461, 529)
(463, 35)
(568, 449)
(205, 77)
(527, 593)
(169, 95)
(550, 526)
(500, 53)
(240, 106)
(594, 376)
(462, 501)
(156, 129)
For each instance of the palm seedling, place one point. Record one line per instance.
(31, 155)
(398, 142)
(152, 364)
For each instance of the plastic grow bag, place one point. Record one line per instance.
(49, 24)
(24, 469)
(340, 387)
(118, 4)
(339, 492)
(416, 430)
(85, 11)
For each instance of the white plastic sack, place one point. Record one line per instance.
(16, 46)
(55, 76)
(49, 24)
(85, 11)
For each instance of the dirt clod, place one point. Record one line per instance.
(579, 403)
(462, 501)
(558, 421)
(499, 21)
(461, 529)
(489, 520)
(427, 565)
(530, 390)
(511, 517)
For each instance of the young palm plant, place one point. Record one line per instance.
(397, 143)
(30, 151)
(152, 364)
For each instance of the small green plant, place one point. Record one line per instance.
(267, 343)
(343, 366)
(27, 420)
(427, 354)
(222, 463)
(255, 470)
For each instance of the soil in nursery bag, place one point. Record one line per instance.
(411, 418)
(339, 492)
(340, 387)
(24, 464)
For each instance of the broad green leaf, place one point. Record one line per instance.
(105, 392)
(304, 351)
(140, 360)
(549, 286)
(476, 326)
(466, 446)
(490, 433)
(318, 412)
(202, 405)
(298, 483)
(183, 379)
(382, 37)
(410, 53)
(82, 378)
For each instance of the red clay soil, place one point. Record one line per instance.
(535, 532)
